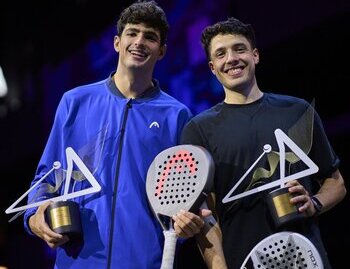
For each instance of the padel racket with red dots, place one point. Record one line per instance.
(179, 177)
(284, 250)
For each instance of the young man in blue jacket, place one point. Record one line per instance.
(117, 126)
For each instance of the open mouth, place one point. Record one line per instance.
(138, 53)
(234, 71)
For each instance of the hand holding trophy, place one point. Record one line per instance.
(278, 200)
(62, 215)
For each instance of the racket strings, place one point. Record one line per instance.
(177, 178)
(282, 254)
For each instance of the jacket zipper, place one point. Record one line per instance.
(115, 187)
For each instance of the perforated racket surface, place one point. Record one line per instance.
(284, 250)
(179, 177)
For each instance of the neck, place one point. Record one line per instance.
(132, 85)
(245, 96)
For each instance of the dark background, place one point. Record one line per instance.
(48, 47)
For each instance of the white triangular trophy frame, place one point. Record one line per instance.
(72, 157)
(282, 140)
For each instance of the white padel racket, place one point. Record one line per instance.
(284, 250)
(179, 177)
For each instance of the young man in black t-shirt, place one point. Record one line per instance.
(235, 133)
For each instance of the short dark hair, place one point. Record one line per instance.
(147, 12)
(230, 26)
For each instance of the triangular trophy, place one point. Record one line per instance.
(282, 140)
(62, 216)
(72, 157)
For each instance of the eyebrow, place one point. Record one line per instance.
(236, 45)
(149, 32)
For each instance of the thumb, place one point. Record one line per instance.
(204, 212)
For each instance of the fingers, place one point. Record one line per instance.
(303, 202)
(301, 198)
(40, 228)
(52, 238)
(205, 212)
(187, 224)
(298, 190)
(292, 183)
(43, 207)
(54, 242)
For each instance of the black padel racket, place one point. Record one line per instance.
(284, 250)
(179, 177)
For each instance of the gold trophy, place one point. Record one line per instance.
(282, 211)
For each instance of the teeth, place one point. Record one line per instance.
(234, 71)
(138, 53)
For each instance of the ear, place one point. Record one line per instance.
(256, 56)
(116, 43)
(211, 67)
(162, 51)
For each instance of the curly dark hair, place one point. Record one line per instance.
(147, 12)
(230, 26)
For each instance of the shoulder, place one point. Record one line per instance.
(168, 100)
(284, 100)
(95, 88)
(208, 114)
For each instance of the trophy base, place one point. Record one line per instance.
(63, 217)
(282, 211)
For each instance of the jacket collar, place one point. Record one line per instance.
(148, 94)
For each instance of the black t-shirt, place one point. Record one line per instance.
(235, 136)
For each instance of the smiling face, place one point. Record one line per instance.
(232, 61)
(139, 47)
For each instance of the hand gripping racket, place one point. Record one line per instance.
(284, 250)
(179, 177)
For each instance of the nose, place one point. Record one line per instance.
(139, 39)
(232, 57)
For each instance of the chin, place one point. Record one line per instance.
(136, 65)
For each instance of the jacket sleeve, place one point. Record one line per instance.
(54, 151)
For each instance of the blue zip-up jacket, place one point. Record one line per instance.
(117, 138)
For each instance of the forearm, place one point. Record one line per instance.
(209, 241)
(332, 191)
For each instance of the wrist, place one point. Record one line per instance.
(317, 205)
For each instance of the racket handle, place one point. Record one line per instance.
(170, 239)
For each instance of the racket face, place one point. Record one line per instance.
(179, 177)
(284, 250)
